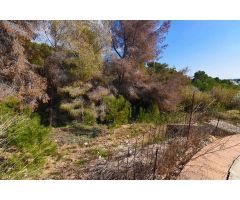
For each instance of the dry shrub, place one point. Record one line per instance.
(225, 96)
(15, 71)
(201, 99)
(178, 153)
(163, 159)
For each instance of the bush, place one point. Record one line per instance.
(206, 83)
(97, 151)
(77, 110)
(118, 110)
(89, 117)
(225, 96)
(149, 115)
(201, 99)
(21, 131)
(153, 115)
(37, 53)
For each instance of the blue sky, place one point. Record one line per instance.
(211, 46)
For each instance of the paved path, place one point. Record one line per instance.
(213, 161)
(234, 171)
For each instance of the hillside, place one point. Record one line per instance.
(89, 102)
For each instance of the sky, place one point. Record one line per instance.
(211, 46)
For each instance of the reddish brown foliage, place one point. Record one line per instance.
(139, 40)
(135, 44)
(15, 71)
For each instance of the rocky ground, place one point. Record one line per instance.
(126, 152)
(78, 153)
(112, 153)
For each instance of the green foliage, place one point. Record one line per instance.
(118, 110)
(89, 118)
(83, 68)
(205, 83)
(98, 151)
(10, 103)
(37, 53)
(223, 92)
(79, 111)
(75, 109)
(85, 59)
(30, 140)
(77, 89)
(153, 115)
(81, 161)
(202, 81)
(155, 67)
(149, 115)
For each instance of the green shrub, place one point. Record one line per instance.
(37, 53)
(80, 112)
(149, 115)
(118, 110)
(206, 83)
(21, 130)
(97, 151)
(89, 118)
(153, 115)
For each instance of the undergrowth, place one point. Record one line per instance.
(24, 142)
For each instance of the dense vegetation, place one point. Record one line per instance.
(64, 73)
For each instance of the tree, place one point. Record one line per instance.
(206, 83)
(77, 54)
(85, 43)
(135, 44)
(139, 40)
(15, 70)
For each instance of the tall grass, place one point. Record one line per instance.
(24, 142)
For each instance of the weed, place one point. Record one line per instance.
(98, 151)
(81, 161)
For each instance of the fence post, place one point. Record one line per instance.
(128, 154)
(118, 168)
(155, 165)
(134, 160)
(142, 144)
(215, 129)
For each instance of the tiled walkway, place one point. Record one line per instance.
(213, 161)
